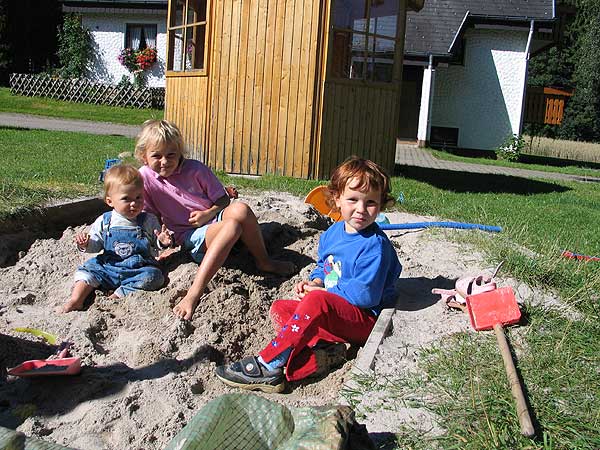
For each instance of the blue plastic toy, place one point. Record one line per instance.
(107, 165)
(465, 226)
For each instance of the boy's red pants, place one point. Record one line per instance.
(320, 315)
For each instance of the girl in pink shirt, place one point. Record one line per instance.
(192, 203)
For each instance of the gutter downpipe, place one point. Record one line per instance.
(425, 110)
(527, 55)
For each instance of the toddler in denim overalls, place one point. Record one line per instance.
(128, 238)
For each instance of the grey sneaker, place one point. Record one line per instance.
(249, 374)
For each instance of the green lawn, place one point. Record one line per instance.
(558, 357)
(465, 384)
(40, 166)
(71, 110)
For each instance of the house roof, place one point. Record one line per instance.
(146, 4)
(433, 29)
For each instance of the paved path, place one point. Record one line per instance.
(408, 154)
(51, 123)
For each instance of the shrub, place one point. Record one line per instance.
(511, 149)
(74, 47)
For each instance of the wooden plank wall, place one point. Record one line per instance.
(185, 105)
(358, 119)
(262, 86)
(545, 105)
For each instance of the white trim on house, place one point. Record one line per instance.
(424, 126)
(81, 10)
(459, 31)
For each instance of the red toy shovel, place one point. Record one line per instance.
(44, 367)
(494, 309)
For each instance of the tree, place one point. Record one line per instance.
(555, 67)
(582, 114)
(573, 63)
(5, 58)
(74, 47)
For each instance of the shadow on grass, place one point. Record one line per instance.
(557, 162)
(458, 181)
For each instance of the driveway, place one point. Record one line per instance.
(83, 126)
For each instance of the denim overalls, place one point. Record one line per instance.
(126, 264)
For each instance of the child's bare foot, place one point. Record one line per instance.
(71, 305)
(185, 308)
(277, 267)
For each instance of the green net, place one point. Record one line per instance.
(249, 422)
(15, 440)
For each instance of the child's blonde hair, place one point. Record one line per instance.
(121, 175)
(369, 175)
(158, 133)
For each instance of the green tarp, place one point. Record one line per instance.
(15, 440)
(250, 422)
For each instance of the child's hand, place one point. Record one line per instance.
(164, 236)
(232, 191)
(82, 240)
(199, 218)
(304, 287)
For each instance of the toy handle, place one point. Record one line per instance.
(515, 385)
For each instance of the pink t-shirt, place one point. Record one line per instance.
(192, 187)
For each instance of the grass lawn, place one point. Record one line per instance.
(465, 383)
(41, 166)
(70, 110)
(557, 357)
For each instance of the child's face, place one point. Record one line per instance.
(162, 159)
(127, 200)
(358, 209)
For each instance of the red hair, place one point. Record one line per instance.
(369, 175)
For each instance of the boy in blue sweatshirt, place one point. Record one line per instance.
(354, 280)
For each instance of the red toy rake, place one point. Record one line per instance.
(494, 309)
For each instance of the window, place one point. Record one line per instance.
(364, 39)
(139, 36)
(187, 35)
(444, 137)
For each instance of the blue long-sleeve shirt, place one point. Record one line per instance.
(361, 267)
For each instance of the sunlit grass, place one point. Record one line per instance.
(41, 166)
(558, 148)
(71, 110)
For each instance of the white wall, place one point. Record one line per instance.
(108, 32)
(483, 97)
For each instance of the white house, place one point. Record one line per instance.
(119, 24)
(465, 69)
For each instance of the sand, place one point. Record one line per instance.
(146, 373)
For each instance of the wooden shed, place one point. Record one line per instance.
(286, 87)
(546, 105)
